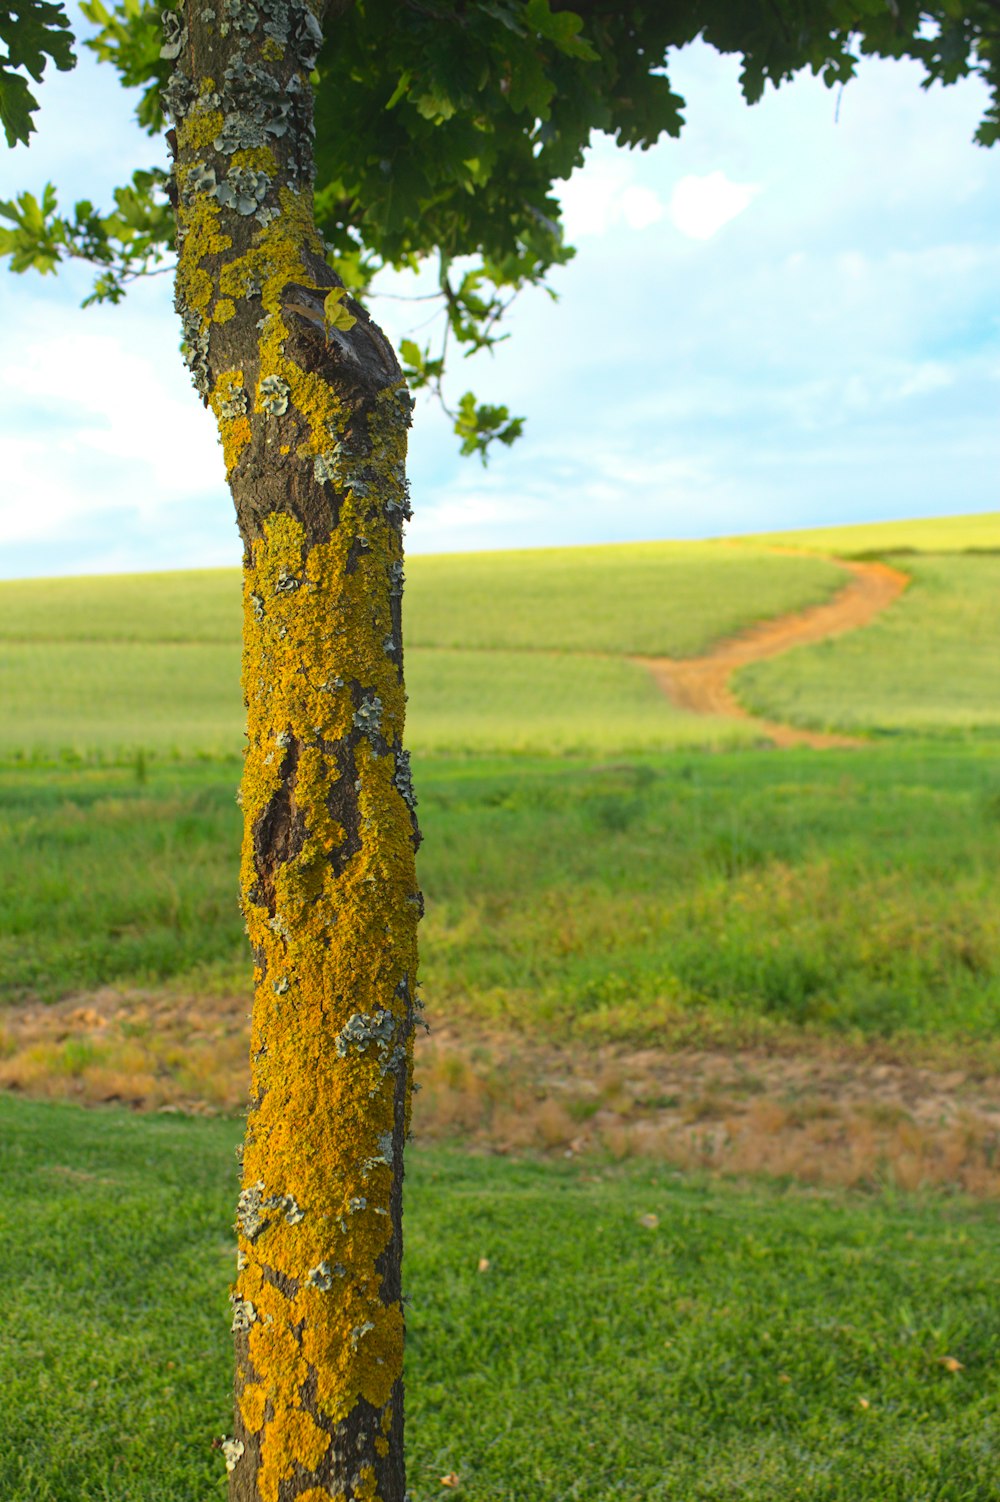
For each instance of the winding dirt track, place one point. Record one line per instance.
(701, 684)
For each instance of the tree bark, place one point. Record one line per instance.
(312, 414)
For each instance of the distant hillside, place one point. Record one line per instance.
(979, 532)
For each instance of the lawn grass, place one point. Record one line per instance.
(977, 532)
(929, 665)
(637, 1336)
(679, 895)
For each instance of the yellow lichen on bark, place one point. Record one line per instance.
(332, 945)
(327, 874)
(253, 1400)
(229, 403)
(365, 1489)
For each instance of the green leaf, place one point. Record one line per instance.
(479, 425)
(563, 28)
(33, 32)
(400, 90)
(335, 315)
(412, 353)
(531, 88)
(17, 104)
(435, 106)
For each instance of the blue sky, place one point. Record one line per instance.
(788, 318)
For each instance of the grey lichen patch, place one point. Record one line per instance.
(232, 1452)
(278, 924)
(194, 348)
(396, 578)
(274, 395)
(403, 777)
(399, 505)
(357, 1202)
(238, 15)
(256, 108)
(252, 1204)
(200, 179)
(249, 1217)
(241, 134)
(359, 1332)
(234, 404)
(383, 1158)
(368, 715)
(323, 1275)
(244, 1313)
(281, 985)
(326, 466)
(179, 94)
(285, 583)
(174, 35)
(287, 1204)
(361, 1030)
(243, 190)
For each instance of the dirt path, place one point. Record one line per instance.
(701, 684)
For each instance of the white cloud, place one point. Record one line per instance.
(606, 194)
(700, 206)
(641, 207)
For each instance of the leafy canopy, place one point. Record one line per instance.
(443, 126)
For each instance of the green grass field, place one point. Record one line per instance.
(662, 598)
(637, 1337)
(929, 666)
(740, 895)
(600, 869)
(653, 599)
(80, 702)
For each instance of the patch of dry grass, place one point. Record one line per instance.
(821, 1115)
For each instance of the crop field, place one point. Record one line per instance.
(107, 667)
(930, 666)
(979, 532)
(714, 1043)
(77, 702)
(664, 598)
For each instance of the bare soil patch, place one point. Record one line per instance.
(701, 684)
(824, 1114)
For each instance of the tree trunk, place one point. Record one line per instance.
(312, 414)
